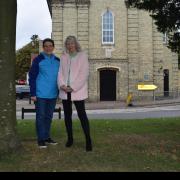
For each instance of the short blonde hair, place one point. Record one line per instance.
(72, 39)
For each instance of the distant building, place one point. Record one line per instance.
(123, 45)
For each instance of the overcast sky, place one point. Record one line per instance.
(33, 17)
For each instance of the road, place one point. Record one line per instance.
(123, 113)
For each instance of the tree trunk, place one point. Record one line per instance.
(8, 135)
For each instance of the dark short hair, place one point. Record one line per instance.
(48, 40)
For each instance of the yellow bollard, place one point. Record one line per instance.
(129, 100)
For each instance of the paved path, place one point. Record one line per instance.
(108, 104)
(123, 112)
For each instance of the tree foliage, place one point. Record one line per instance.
(23, 57)
(166, 14)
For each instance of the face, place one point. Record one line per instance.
(71, 47)
(48, 48)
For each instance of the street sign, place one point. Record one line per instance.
(146, 87)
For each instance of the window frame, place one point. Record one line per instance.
(107, 30)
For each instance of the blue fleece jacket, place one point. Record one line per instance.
(43, 76)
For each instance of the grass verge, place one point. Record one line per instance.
(118, 146)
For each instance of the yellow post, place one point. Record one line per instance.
(129, 100)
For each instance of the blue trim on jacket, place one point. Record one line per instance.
(38, 79)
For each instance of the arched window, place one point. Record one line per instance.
(108, 28)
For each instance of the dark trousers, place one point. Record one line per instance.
(80, 107)
(44, 115)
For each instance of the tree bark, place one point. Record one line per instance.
(8, 133)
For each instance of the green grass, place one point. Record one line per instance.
(124, 145)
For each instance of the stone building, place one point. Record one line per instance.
(124, 47)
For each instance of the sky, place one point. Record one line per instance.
(33, 17)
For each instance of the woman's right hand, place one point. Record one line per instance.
(69, 89)
(64, 88)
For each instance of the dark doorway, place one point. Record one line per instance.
(107, 85)
(166, 82)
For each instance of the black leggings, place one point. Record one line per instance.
(80, 107)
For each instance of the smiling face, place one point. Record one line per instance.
(48, 47)
(71, 46)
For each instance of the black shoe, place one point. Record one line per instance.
(88, 146)
(50, 141)
(42, 144)
(69, 143)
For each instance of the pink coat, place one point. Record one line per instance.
(78, 78)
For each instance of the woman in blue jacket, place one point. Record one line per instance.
(44, 90)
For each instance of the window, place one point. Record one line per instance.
(165, 39)
(107, 28)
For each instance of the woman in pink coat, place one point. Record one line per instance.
(72, 82)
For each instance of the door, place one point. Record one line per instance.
(107, 85)
(166, 82)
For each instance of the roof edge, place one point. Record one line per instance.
(49, 6)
